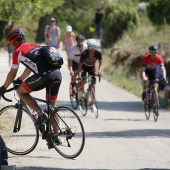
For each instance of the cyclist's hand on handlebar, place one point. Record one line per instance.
(17, 83)
(2, 90)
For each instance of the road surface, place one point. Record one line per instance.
(121, 138)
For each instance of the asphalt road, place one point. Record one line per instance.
(121, 138)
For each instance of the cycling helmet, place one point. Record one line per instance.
(15, 35)
(80, 37)
(153, 48)
(91, 43)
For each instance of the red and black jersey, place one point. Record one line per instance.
(28, 55)
(151, 64)
(85, 58)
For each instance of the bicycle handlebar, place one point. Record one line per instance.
(8, 90)
(90, 76)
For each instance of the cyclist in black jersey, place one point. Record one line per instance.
(44, 73)
(87, 64)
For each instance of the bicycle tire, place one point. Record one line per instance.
(147, 106)
(155, 108)
(25, 140)
(83, 105)
(91, 95)
(73, 97)
(72, 129)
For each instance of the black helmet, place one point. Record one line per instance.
(153, 48)
(80, 37)
(15, 35)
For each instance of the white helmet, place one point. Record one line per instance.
(91, 43)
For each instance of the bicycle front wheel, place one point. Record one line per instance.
(155, 106)
(147, 106)
(71, 132)
(25, 139)
(93, 103)
(73, 97)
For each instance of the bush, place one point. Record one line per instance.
(118, 17)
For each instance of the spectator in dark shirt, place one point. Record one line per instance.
(97, 21)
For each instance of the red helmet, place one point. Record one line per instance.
(15, 35)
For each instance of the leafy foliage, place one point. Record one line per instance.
(119, 17)
(23, 11)
(158, 11)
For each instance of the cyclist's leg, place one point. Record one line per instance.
(73, 79)
(54, 93)
(92, 72)
(156, 94)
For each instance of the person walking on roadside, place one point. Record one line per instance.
(52, 34)
(69, 39)
(6, 46)
(97, 22)
(74, 59)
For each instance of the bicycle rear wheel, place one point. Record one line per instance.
(155, 107)
(71, 133)
(24, 140)
(93, 103)
(73, 97)
(147, 107)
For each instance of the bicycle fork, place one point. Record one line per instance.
(18, 119)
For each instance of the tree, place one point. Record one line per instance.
(119, 17)
(158, 11)
(20, 11)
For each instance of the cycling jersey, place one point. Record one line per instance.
(87, 61)
(44, 74)
(28, 55)
(75, 53)
(88, 64)
(151, 64)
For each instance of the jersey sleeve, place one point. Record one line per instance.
(71, 53)
(15, 61)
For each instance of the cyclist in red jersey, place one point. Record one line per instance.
(149, 63)
(87, 65)
(44, 74)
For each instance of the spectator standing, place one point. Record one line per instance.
(97, 21)
(6, 46)
(69, 39)
(52, 34)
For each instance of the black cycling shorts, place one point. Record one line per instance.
(75, 66)
(151, 74)
(91, 71)
(38, 82)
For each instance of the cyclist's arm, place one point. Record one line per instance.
(143, 74)
(100, 66)
(163, 71)
(10, 77)
(25, 74)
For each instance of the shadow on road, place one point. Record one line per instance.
(142, 133)
(115, 106)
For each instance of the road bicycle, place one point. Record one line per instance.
(151, 104)
(21, 136)
(89, 100)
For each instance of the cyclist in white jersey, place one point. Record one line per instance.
(74, 58)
